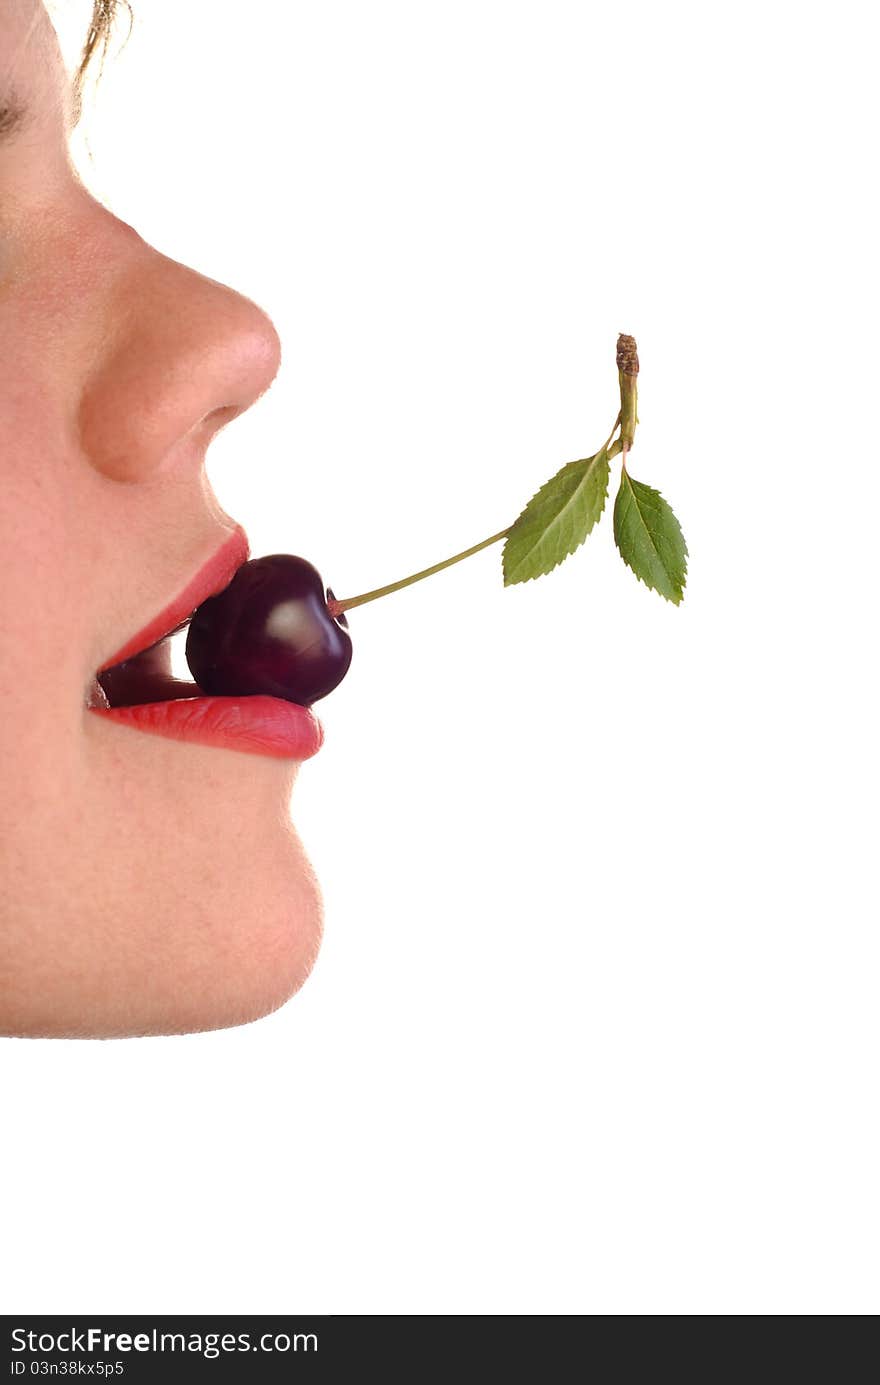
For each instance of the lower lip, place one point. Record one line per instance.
(257, 725)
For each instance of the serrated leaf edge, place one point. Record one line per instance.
(625, 476)
(512, 582)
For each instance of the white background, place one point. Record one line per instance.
(594, 1028)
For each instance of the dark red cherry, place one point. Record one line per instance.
(270, 632)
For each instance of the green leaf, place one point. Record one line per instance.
(650, 539)
(556, 520)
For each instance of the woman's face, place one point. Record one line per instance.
(147, 884)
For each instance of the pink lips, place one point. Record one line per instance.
(259, 725)
(216, 574)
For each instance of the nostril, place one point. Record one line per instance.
(248, 354)
(184, 369)
(218, 418)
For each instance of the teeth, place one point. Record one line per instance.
(97, 696)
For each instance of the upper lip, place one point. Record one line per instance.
(216, 574)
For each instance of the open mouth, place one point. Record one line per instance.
(145, 677)
(140, 672)
(137, 689)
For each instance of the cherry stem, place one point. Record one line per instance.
(336, 608)
(605, 446)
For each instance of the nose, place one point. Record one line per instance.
(176, 356)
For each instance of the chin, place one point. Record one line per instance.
(258, 955)
(272, 955)
(215, 960)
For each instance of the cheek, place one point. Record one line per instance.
(41, 638)
(44, 558)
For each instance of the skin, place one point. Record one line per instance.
(146, 886)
